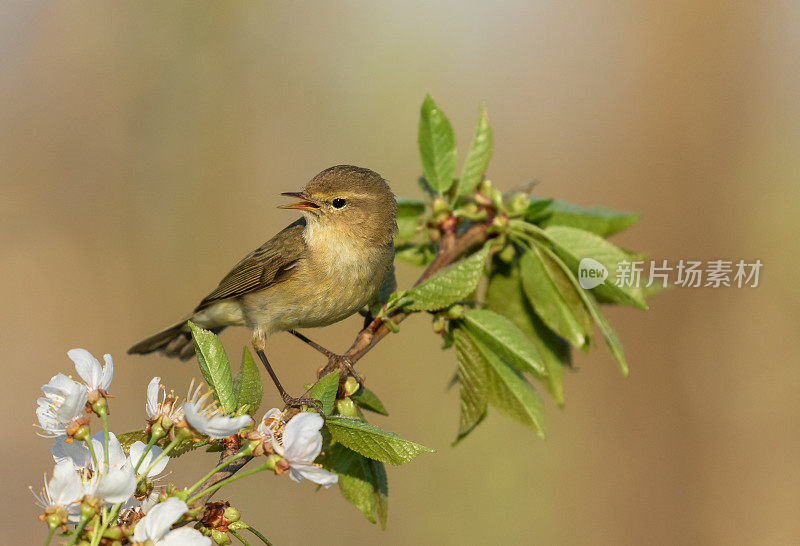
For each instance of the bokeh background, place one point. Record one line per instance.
(143, 145)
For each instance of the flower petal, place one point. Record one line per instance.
(185, 536)
(151, 407)
(116, 456)
(76, 452)
(87, 367)
(216, 426)
(108, 372)
(159, 519)
(118, 485)
(312, 473)
(302, 440)
(65, 486)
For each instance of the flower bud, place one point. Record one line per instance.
(56, 519)
(518, 203)
(471, 208)
(500, 222)
(434, 235)
(347, 407)
(231, 514)
(485, 187)
(219, 537)
(455, 312)
(89, 507)
(438, 324)
(440, 205)
(351, 385)
(507, 254)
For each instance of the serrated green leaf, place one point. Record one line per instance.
(613, 342)
(509, 392)
(437, 146)
(362, 481)
(554, 297)
(573, 244)
(600, 220)
(480, 151)
(409, 218)
(503, 337)
(504, 295)
(418, 254)
(325, 389)
(373, 442)
(368, 400)
(473, 384)
(453, 283)
(247, 386)
(214, 366)
(126, 439)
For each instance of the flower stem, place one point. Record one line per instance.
(104, 417)
(258, 534)
(50, 536)
(78, 530)
(150, 444)
(90, 445)
(170, 446)
(239, 537)
(268, 465)
(97, 534)
(220, 466)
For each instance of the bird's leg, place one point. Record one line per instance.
(342, 362)
(287, 399)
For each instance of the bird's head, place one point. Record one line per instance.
(352, 200)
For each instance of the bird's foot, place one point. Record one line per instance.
(344, 365)
(292, 402)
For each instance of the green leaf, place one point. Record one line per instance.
(480, 151)
(368, 400)
(453, 283)
(613, 342)
(473, 384)
(247, 386)
(572, 245)
(214, 366)
(362, 481)
(373, 442)
(536, 208)
(554, 297)
(509, 392)
(437, 146)
(503, 337)
(418, 254)
(504, 295)
(325, 389)
(128, 438)
(409, 217)
(599, 220)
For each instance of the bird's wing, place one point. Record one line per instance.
(270, 263)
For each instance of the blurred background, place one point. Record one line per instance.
(143, 145)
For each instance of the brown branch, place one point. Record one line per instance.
(451, 246)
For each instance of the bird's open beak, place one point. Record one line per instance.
(305, 202)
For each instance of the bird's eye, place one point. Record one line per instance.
(338, 203)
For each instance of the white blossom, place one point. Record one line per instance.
(137, 452)
(156, 524)
(64, 489)
(96, 377)
(63, 402)
(208, 418)
(159, 404)
(300, 444)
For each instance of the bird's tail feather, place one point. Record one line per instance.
(174, 342)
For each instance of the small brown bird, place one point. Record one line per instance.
(318, 270)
